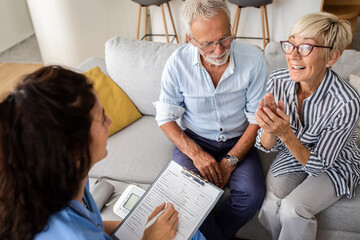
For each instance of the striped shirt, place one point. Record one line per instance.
(330, 118)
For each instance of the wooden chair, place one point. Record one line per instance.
(252, 3)
(146, 3)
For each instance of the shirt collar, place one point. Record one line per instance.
(196, 56)
(323, 88)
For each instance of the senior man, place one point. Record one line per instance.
(214, 84)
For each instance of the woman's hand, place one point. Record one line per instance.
(272, 119)
(276, 123)
(164, 227)
(270, 103)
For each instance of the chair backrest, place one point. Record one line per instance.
(150, 2)
(250, 3)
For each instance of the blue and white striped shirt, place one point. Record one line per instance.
(220, 113)
(330, 117)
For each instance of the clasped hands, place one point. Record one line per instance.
(217, 173)
(272, 118)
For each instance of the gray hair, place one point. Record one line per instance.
(324, 26)
(206, 9)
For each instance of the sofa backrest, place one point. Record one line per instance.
(136, 66)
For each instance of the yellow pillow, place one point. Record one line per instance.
(116, 103)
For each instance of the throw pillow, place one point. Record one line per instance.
(116, 103)
(142, 63)
(355, 81)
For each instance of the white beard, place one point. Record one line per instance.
(212, 58)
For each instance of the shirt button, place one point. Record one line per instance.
(221, 129)
(99, 226)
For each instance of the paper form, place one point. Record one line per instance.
(192, 199)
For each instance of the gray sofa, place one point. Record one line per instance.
(139, 152)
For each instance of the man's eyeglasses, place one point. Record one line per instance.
(225, 42)
(303, 49)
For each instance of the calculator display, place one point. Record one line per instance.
(132, 200)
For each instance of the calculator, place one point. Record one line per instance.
(127, 200)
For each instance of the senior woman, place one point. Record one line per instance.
(53, 130)
(309, 118)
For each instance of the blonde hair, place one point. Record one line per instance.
(206, 9)
(324, 26)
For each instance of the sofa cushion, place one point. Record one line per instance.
(116, 103)
(137, 67)
(137, 153)
(346, 209)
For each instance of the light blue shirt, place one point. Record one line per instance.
(75, 222)
(221, 113)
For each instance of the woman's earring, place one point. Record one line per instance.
(328, 65)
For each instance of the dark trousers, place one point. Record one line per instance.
(246, 185)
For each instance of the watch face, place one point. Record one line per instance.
(232, 159)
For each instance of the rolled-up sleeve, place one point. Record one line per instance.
(166, 112)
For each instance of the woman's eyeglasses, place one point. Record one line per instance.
(303, 49)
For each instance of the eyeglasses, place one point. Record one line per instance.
(103, 120)
(225, 42)
(303, 49)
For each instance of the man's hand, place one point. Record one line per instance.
(204, 162)
(208, 168)
(226, 169)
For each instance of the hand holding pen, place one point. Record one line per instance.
(162, 223)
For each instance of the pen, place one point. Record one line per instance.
(151, 222)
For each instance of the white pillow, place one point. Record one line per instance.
(136, 66)
(355, 81)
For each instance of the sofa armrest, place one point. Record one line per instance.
(91, 63)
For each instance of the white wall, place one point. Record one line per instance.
(70, 31)
(281, 15)
(15, 23)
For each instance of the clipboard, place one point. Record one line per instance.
(192, 196)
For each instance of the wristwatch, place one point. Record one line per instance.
(233, 160)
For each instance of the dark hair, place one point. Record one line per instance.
(44, 148)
